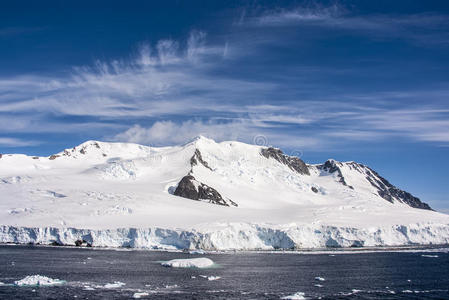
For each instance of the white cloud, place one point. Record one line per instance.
(171, 81)
(244, 130)
(169, 132)
(163, 80)
(421, 28)
(312, 14)
(15, 142)
(420, 124)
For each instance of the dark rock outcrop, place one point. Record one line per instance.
(56, 243)
(53, 157)
(314, 189)
(82, 243)
(384, 189)
(331, 166)
(190, 188)
(389, 192)
(1, 155)
(293, 162)
(197, 158)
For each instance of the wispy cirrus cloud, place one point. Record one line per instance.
(169, 92)
(308, 14)
(15, 142)
(422, 28)
(159, 81)
(419, 124)
(326, 126)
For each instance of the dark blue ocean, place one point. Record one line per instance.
(87, 273)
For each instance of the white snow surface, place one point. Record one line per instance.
(201, 262)
(121, 195)
(38, 280)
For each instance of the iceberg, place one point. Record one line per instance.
(38, 280)
(139, 295)
(116, 284)
(295, 296)
(202, 262)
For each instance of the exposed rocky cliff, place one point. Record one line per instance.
(190, 188)
(293, 162)
(382, 187)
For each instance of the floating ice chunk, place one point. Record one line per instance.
(355, 291)
(407, 291)
(318, 285)
(38, 280)
(202, 262)
(116, 284)
(320, 278)
(197, 252)
(210, 278)
(213, 278)
(139, 295)
(295, 296)
(428, 255)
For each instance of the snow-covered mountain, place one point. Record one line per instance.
(204, 194)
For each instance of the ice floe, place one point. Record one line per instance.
(201, 262)
(116, 284)
(197, 252)
(210, 278)
(295, 296)
(139, 295)
(38, 280)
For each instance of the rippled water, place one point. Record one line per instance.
(108, 274)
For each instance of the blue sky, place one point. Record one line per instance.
(350, 80)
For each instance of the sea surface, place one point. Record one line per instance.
(124, 274)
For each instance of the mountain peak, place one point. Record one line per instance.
(202, 138)
(199, 139)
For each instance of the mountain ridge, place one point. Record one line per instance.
(100, 149)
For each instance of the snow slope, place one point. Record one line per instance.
(249, 197)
